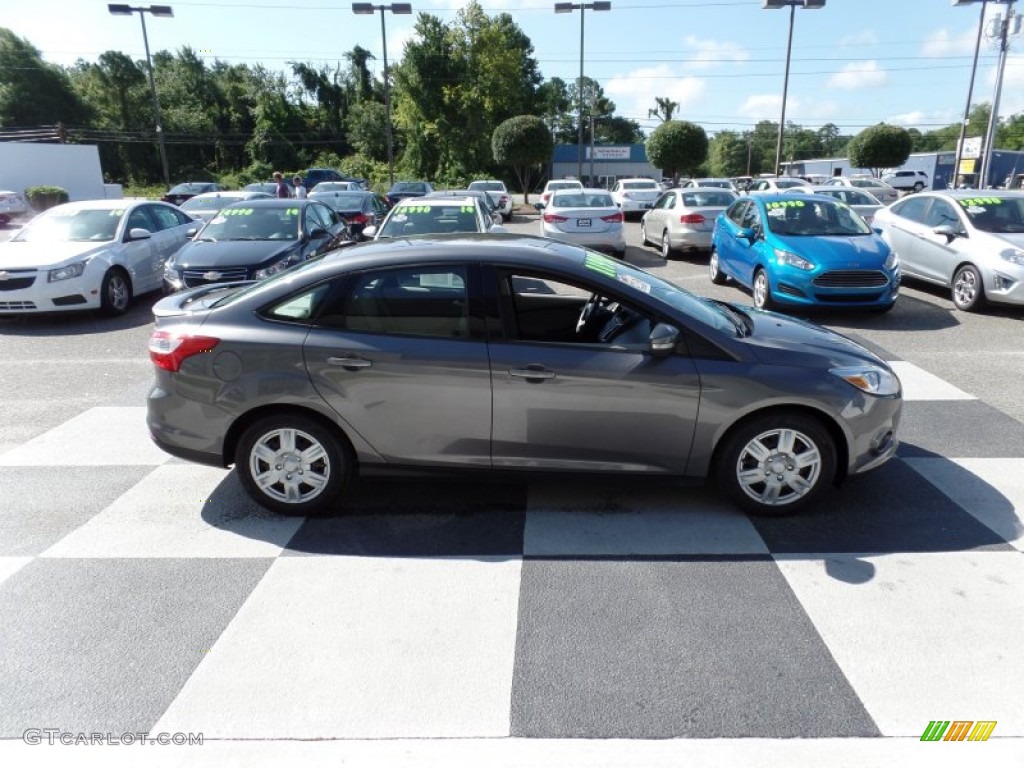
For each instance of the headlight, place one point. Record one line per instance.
(68, 272)
(785, 257)
(870, 379)
(893, 261)
(1013, 256)
(278, 266)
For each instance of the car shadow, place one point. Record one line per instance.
(80, 323)
(908, 314)
(902, 507)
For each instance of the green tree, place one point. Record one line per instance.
(664, 108)
(880, 146)
(522, 142)
(677, 146)
(367, 129)
(727, 155)
(32, 92)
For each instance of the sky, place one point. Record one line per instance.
(854, 62)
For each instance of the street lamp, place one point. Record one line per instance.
(398, 8)
(582, 8)
(774, 5)
(157, 10)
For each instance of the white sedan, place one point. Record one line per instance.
(587, 217)
(96, 254)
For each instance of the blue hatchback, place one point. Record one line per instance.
(803, 250)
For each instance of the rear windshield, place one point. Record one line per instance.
(490, 186)
(640, 185)
(710, 197)
(580, 200)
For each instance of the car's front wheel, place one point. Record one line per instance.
(762, 291)
(718, 277)
(293, 464)
(968, 288)
(115, 293)
(777, 463)
(918, 186)
(643, 232)
(666, 246)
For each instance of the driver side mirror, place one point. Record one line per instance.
(663, 339)
(947, 231)
(747, 233)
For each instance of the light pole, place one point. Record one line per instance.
(582, 8)
(774, 5)
(970, 88)
(156, 10)
(398, 8)
(993, 119)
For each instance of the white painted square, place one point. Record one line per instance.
(346, 647)
(115, 436)
(570, 520)
(990, 489)
(181, 511)
(918, 384)
(11, 565)
(920, 637)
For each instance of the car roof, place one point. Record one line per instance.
(437, 200)
(107, 205)
(273, 202)
(969, 194)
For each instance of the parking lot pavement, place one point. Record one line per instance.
(639, 623)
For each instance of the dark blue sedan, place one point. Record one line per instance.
(803, 250)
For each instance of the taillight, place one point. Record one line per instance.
(554, 218)
(359, 218)
(691, 218)
(170, 350)
(613, 218)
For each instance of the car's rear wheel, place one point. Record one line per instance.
(968, 289)
(115, 292)
(718, 277)
(777, 463)
(666, 246)
(293, 464)
(918, 186)
(762, 290)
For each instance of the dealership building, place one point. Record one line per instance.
(610, 162)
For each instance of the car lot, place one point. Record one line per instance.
(504, 618)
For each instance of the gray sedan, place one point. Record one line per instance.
(967, 240)
(512, 353)
(684, 219)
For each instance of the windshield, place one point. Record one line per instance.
(410, 186)
(72, 225)
(1002, 215)
(790, 183)
(704, 310)
(422, 219)
(556, 185)
(814, 218)
(240, 223)
(190, 189)
(490, 186)
(207, 203)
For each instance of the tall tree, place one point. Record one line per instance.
(727, 154)
(880, 146)
(677, 146)
(33, 92)
(524, 143)
(664, 108)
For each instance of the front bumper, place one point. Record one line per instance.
(29, 292)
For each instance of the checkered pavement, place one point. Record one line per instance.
(511, 623)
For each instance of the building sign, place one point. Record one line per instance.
(609, 153)
(972, 148)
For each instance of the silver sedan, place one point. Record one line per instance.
(683, 219)
(967, 240)
(587, 217)
(862, 201)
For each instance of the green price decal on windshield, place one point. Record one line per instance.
(785, 204)
(973, 202)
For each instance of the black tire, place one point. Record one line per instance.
(328, 462)
(718, 277)
(666, 246)
(115, 292)
(968, 290)
(762, 298)
(918, 186)
(797, 469)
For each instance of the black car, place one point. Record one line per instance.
(403, 189)
(358, 209)
(179, 193)
(255, 239)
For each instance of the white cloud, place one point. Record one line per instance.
(711, 52)
(765, 106)
(942, 42)
(1011, 101)
(859, 74)
(925, 120)
(634, 93)
(857, 39)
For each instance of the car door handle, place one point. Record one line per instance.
(531, 373)
(350, 362)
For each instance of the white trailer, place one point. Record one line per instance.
(74, 167)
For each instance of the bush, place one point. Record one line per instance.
(41, 198)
